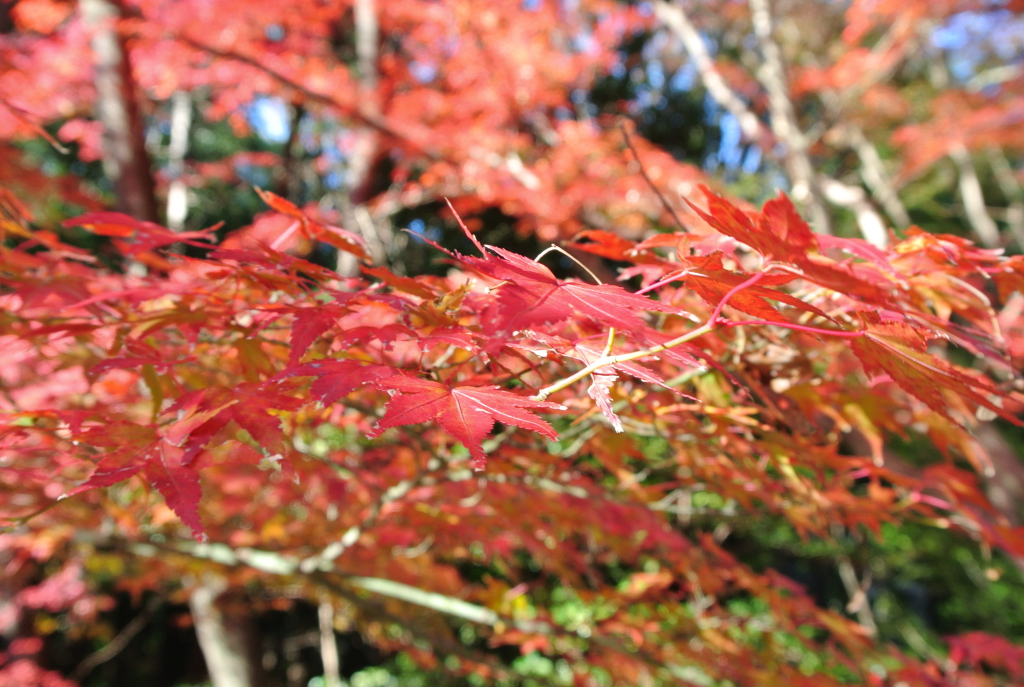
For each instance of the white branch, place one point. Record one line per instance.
(675, 19)
(873, 172)
(872, 226)
(806, 184)
(1011, 189)
(783, 120)
(974, 199)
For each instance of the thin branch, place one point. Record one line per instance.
(647, 178)
(857, 591)
(558, 249)
(625, 357)
(877, 179)
(795, 327)
(119, 642)
(324, 560)
(26, 117)
(359, 112)
(367, 41)
(278, 564)
(870, 223)
(441, 642)
(177, 194)
(709, 326)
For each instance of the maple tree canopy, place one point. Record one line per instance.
(485, 461)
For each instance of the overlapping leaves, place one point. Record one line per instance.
(243, 348)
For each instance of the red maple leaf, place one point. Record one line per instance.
(900, 351)
(337, 378)
(335, 236)
(708, 278)
(310, 323)
(780, 232)
(144, 236)
(600, 390)
(531, 295)
(466, 412)
(138, 448)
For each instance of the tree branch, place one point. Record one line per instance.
(177, 194)
(1011, 189)
(783, 117)
(118, 643)
(984, 226)
(675, 18)
(783, 128)
(328, 644)
(647, 178)
(873, 172)
(361, 112)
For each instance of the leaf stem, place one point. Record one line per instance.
(567, 254)
(608, 346)
(650, 182)
(604, 361)
(713, 320)
(798, 327)
(674, 276)
(711, 323)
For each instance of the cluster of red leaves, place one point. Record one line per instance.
(470, 119)
(219, 381)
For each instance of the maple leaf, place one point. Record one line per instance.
(129, 444)
(338, 378)
(599, 390)
(178, 483)
(604, 378)
(612, 246)
(146, 236)
(335, 236)
(190, 415)
(783, 232)
(248, 404)
(405, 284)
(899, 350)
(309, 324)
(589, 352)
(138, 448)
(708, 278)
(980, 648)
(532, 295)
(466, 412)
(780, 233)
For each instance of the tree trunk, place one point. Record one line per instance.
(225, 635)
(125, 160)
(329, 645)
(382, 242)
